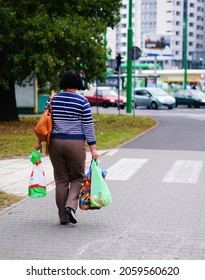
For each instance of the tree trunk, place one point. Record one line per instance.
(8, 108)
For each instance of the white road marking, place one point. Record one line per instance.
(184, 171)
(112, 152)
(123, 169)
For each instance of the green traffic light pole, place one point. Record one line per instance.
(185, 48)
(129, 62)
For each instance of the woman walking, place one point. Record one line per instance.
(72, 127)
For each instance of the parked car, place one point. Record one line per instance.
(107, 98)
(153, 98)
(190, 97)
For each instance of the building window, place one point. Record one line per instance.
(199, 36)
(199, 46)
(200, 9)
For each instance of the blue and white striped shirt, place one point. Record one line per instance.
(72, 117)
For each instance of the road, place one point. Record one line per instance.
(179, 129)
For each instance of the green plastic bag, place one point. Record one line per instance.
(37, 182)
(99, 194)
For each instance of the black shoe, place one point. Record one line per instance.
(64, 223)
(71, 215)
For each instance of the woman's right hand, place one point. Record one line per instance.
(94, 152)
(38, 146)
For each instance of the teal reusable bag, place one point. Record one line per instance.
(99, 194)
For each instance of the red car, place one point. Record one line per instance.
(107, 98)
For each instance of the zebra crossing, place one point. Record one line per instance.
(182, 171)
(179, 171)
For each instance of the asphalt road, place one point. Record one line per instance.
(173, 133)
(179, 129)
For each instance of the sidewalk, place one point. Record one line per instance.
(15, 173)
(150, 218)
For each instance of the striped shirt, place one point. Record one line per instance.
(72, 117)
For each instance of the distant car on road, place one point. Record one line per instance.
(153, 98)
(190, 97)
(106, 98)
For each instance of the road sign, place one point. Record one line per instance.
(135, 53)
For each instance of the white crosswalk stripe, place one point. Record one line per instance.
(123, 169)
(184, 171)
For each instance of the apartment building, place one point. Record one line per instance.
(175, 19)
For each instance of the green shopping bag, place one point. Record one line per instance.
(99, 194)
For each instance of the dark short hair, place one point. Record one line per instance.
(71, 79)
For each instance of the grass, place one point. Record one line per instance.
(114, 130)
(8, 199)
(18, 139)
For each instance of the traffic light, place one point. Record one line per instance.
(118, 62)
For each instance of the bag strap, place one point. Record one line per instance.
(94, 160)
(49, 105)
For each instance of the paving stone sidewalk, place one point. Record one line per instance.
(149, 219)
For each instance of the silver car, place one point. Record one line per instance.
(153, 98)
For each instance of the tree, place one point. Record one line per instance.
(44, 39)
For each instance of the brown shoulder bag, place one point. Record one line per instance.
(45, 124)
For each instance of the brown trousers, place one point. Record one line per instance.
(68, 160)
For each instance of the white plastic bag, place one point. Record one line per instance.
(37, 183)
